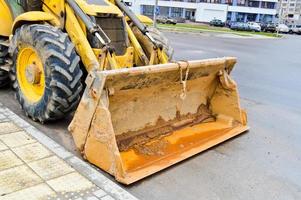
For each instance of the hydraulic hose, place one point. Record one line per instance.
(91, 26)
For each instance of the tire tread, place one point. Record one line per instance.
(62, 69)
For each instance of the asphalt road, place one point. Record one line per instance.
(264, 163)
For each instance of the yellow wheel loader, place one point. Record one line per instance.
(136, 110)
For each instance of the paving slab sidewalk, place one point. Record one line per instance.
(34, 167)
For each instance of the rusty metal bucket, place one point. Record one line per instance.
(134, 122)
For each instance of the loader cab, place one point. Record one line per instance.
(107, 16)
(115, 28)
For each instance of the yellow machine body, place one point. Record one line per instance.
(140, 112)
(6, 19)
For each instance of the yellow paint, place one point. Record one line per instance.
(34, 16)
(126, 60)
(117, 62)
(178, 141)
(180, 145)
(167, 128)
(28, 57)
(94, 10)
(6, 19)
(57, 8)
(96, 125)
(146, 20)
(142, 18)
(77, 32)
(79, 39)
(140, 57)
(163, 58)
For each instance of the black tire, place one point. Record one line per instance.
(61, 68)
(4, 76)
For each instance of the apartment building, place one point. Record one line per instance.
(206, 10)
(289, 11)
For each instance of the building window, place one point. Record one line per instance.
(148, 10)
(240, 17)
(271, 5)
(251, 17)
(241, 2)
(229, 16)
(254, 4)
(163, 11)
(176, 12)
(268, 5)
(267, 18)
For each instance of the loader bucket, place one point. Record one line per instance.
(134, 122)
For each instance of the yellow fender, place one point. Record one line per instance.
(6, 19)
(34, 16)
(144, 19)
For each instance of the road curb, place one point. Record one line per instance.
(81, 166)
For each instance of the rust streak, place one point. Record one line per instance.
(135, 138)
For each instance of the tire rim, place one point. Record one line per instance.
(30, 74)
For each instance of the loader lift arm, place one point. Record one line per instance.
(93, 28)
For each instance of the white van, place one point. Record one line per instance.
(282, 28)
(294, 29)
(254, 26)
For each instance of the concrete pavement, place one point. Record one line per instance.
(34, 167)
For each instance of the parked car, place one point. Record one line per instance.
(180, 20)
(254, 26)
(270, 27)
(229, 23)
(294, 29)
(166, 20)
(240, 26)
(262, 25)
(282, 28)
(217, 22)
